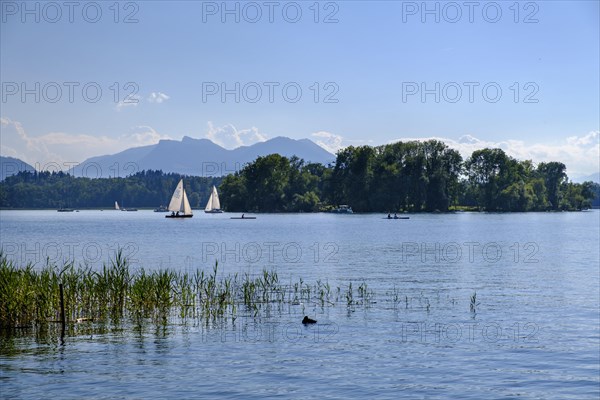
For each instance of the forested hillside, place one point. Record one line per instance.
(144, 189)
(404, 176)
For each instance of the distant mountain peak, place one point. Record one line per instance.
(202, 157)
(191, 139)
(11, 166)
(595, 177)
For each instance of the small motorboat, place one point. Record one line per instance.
(343, 209)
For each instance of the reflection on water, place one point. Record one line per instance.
(534, 328)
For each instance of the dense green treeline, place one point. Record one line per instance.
(55, 190)
(404, 176)
(497, 182)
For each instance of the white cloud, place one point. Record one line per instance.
(64, 148)
(333, 142)
(229, 137)
(130, 102)
(157, 97)
(581, 154)
(16, 143)
(143, 135)
(590, 138)
(329, 141)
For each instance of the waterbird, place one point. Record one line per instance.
(307, 320)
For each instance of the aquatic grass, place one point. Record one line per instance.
(115, 293)
(26, 295)
(473, 303)
(365, 294)
(349, 295)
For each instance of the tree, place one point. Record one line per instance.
(554, 175)
(351, 176)
(417, 176)
(234, 196)
(442, 167)
(485, 169)
(57, 189)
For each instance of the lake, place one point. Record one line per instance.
(534, 332)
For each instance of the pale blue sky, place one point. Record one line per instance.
(368, 55)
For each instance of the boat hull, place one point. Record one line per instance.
(179, 216)
(213, 212)
(343, 209)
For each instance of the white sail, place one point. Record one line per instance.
(177, 197)
(209, 204)
(179, 201)
(185, 206)
(213, 201)
(117, 206)
(216, 204)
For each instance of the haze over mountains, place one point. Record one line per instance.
(198, 157)
(593, 177)
(11, 166)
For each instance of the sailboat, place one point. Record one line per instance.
(179, 205)
(123, 209)
(213, 206)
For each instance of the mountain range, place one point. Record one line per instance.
(197, 157)
(11, 166)
(593, 177)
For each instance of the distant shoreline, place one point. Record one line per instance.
(320, 212)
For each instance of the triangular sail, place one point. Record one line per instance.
(175, 203)
(179, 201)
(185, 206)
(117, 206)
(213, 201)
(216, 204)
(209, 204)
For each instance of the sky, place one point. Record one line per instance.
(81, 79)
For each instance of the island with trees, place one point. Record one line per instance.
(409, 176)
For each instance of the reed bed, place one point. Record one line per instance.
(29, 296)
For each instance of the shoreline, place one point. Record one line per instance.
(466, 210)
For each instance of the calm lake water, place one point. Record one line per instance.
(535, 332)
